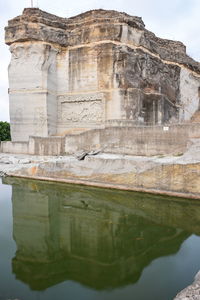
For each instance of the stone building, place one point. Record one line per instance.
(68, 75)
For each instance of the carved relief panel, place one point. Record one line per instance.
(81, 108)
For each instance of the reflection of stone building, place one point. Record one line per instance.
(82, 72)
(92, 236)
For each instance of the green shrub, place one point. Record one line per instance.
(4, 131)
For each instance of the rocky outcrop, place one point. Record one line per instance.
(78, 73)
(38, 25)
(192, 292)
(176, 175)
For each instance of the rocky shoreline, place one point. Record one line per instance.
(192, 292)
(177, 175)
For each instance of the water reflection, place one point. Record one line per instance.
(102, 239)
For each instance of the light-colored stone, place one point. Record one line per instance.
(32, 90)
(190, 98)
(15, 147)
(172, 175)
(192, 292)
(82, 72)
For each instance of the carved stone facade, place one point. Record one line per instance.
(78, 73)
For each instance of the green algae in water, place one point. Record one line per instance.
(73, 242)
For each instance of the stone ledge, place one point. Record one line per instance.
(169, 175)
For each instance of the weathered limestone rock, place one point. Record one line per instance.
(98, 66)
(192, 292)
(176, 175)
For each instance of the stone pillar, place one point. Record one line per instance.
(32, 82)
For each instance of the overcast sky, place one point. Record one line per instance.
(172, 19)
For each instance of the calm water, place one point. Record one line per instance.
(70, 242)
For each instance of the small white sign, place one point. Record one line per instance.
(165, 128)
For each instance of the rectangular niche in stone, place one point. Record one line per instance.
(81, 108)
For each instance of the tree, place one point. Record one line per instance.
(4, 131)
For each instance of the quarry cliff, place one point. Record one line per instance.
(74, 74)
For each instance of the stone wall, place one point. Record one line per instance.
(46, 146)
(135, 140)
(80, 72)
(142, 140)
(14, 147)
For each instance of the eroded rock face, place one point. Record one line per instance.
(101, 65)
